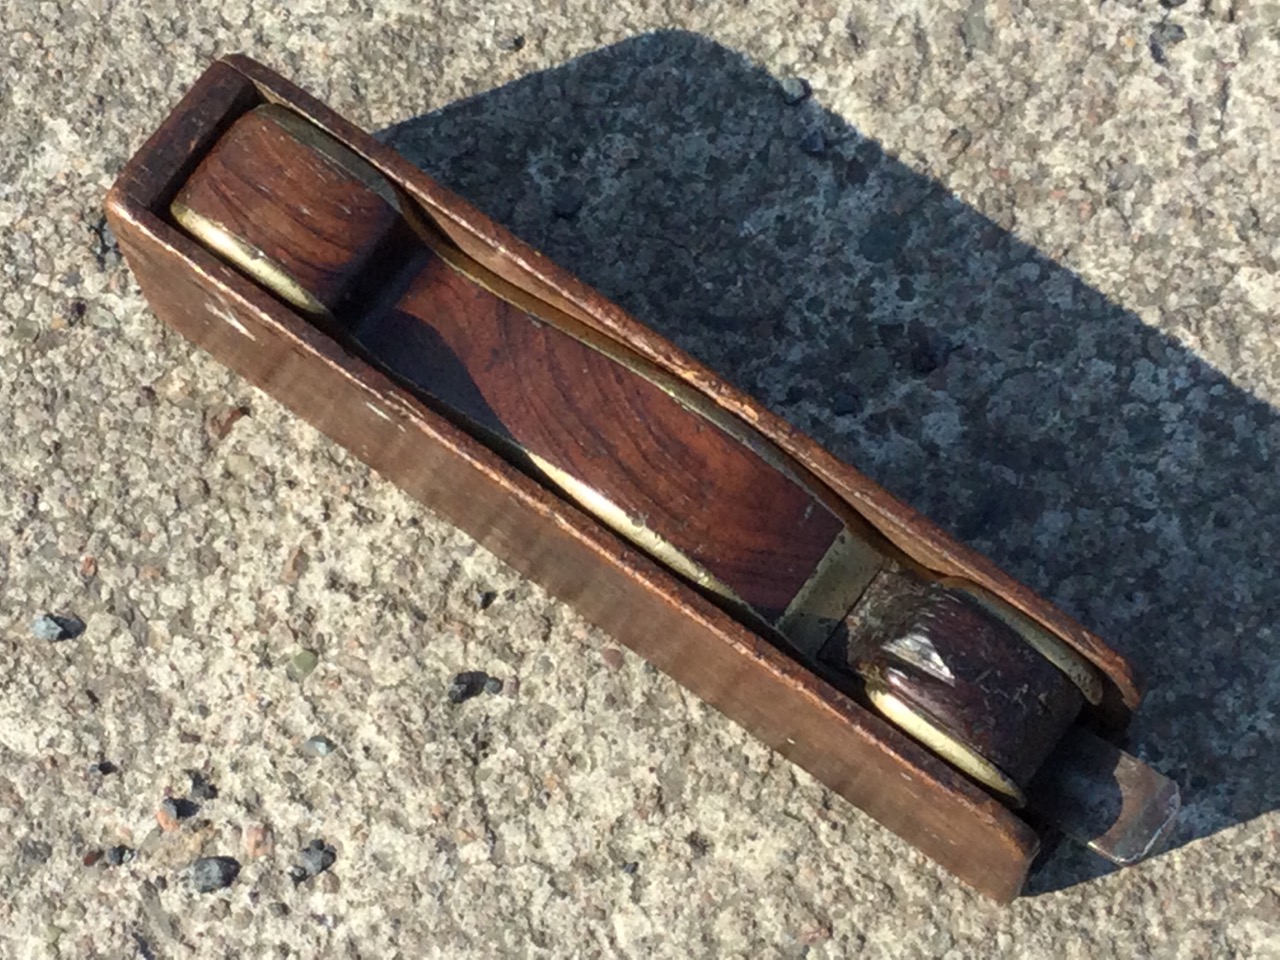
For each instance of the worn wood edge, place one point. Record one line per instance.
(849, 738)
(909, 530)
(171, 153)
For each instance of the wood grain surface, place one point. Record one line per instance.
(970, 674)
(700, 490)
(554, 404)
(291, 207)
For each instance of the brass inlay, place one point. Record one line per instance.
(959, 755)
(622, 523)
(338, 155)
(837, 584)
(248, 258)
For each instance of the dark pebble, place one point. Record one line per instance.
(567, 199)
(814, 143)
(493, 685)
(844, 404)
(794, 90)
(92, 857)
(201, 788)
(1172, 4)
(630, 867)
(103, 245)
(883, 239)
(105, 767)
(179, 808)
(315, 859)
(1163, 36)
(699, 844)
(118, 856)
(485, 598)
(278, 908)
(929, 349)
(511, 43)
(52, 627)
(851, 173)
(468, 684)
(160, 883)
(145, 950)
(214, 873)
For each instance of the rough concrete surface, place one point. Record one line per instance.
(1017, 261)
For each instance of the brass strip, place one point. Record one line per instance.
(343, 158)
(248, 258)
(837, 584)
(965, 758)
(622, 523)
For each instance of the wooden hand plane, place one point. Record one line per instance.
(779, 584)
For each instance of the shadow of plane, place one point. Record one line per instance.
(1091, 456)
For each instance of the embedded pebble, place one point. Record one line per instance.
(259, 841)
(319, 747)
(214, 873)
(814, 143)
(174, 809)
(302, 664)
(844, 404)
(201, 788)
(794, 90)
(1163, 36)
(52, 628)
(567, 199)
(468, 684)
(118, 855)
(315, 858)
(35, 851)
(493, 686)
(219, 423)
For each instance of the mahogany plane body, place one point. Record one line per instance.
(411, 366)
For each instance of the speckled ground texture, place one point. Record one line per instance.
(1017, 262)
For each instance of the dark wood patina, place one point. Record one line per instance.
(440, 379)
